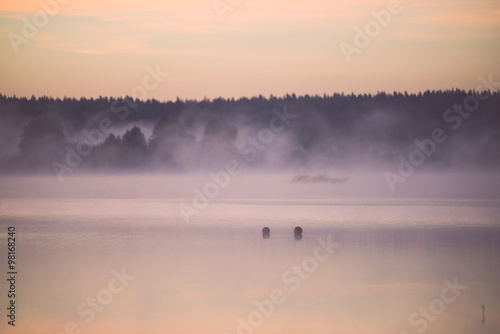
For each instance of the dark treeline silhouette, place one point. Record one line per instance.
(331, 131)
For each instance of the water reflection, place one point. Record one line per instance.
(202, 278)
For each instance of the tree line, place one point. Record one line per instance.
(329, 131)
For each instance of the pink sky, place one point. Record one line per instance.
(92, 48)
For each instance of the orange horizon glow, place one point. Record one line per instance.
(91, 49)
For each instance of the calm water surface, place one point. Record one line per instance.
(386, 274)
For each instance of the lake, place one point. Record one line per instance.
(91, 261)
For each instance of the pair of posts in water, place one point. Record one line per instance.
(297, 233)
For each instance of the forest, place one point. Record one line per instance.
(291, 133)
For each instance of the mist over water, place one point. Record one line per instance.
(252, 186)
(176, 194)
(333, 134)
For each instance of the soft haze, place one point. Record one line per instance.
(93, 48)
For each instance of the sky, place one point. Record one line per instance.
(235, 48)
